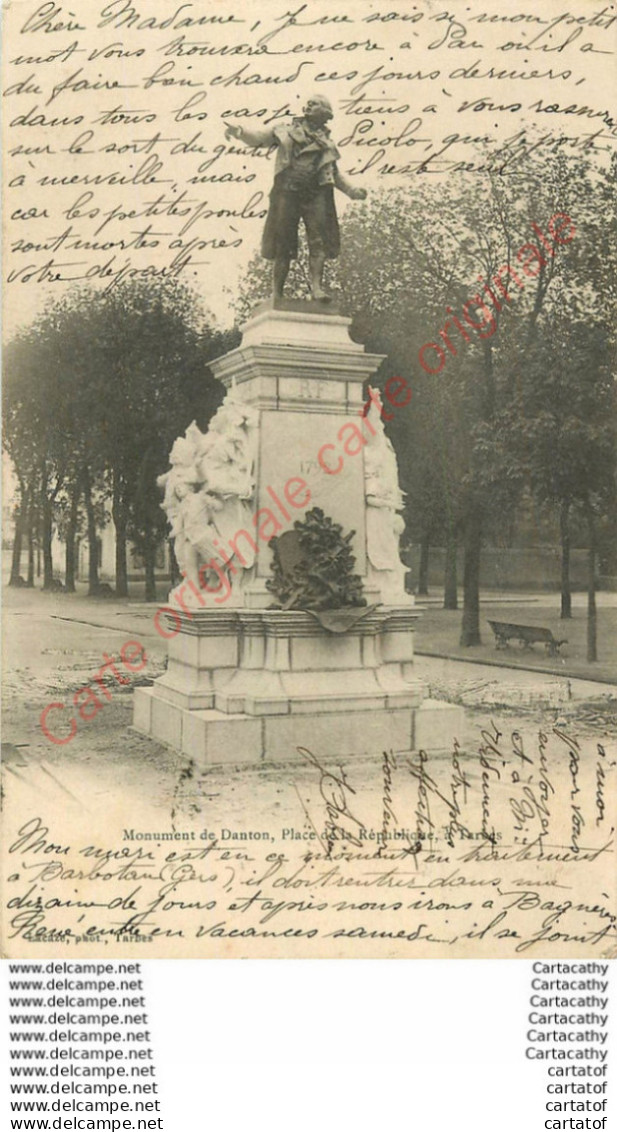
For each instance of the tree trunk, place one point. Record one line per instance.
(564, 529)
(592, 621)
(93, 549)
(31, 526)
(150, 568)
(46, 534)
(20, 524)
(119, 514)
(47, 530)
(450, 594)
(69, 554)
(425, 546)
(174, 570)
(470, 627)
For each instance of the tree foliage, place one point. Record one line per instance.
(96, 390)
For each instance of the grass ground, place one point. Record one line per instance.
(438, 632)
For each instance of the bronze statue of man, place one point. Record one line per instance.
(305, 177)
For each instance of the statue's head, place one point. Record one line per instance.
(318, 109)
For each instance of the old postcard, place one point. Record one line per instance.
(310, 535)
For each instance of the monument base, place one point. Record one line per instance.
(247, 686)
(246, 683)
(212, 738)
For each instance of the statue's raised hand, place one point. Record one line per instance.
(359, 194)
(234, 132)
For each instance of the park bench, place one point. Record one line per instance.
(528, 635)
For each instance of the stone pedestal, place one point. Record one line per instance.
(246, 682)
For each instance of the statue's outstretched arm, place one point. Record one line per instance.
(252, 137)
(345, 186)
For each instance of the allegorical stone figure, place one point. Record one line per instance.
(306, 174)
